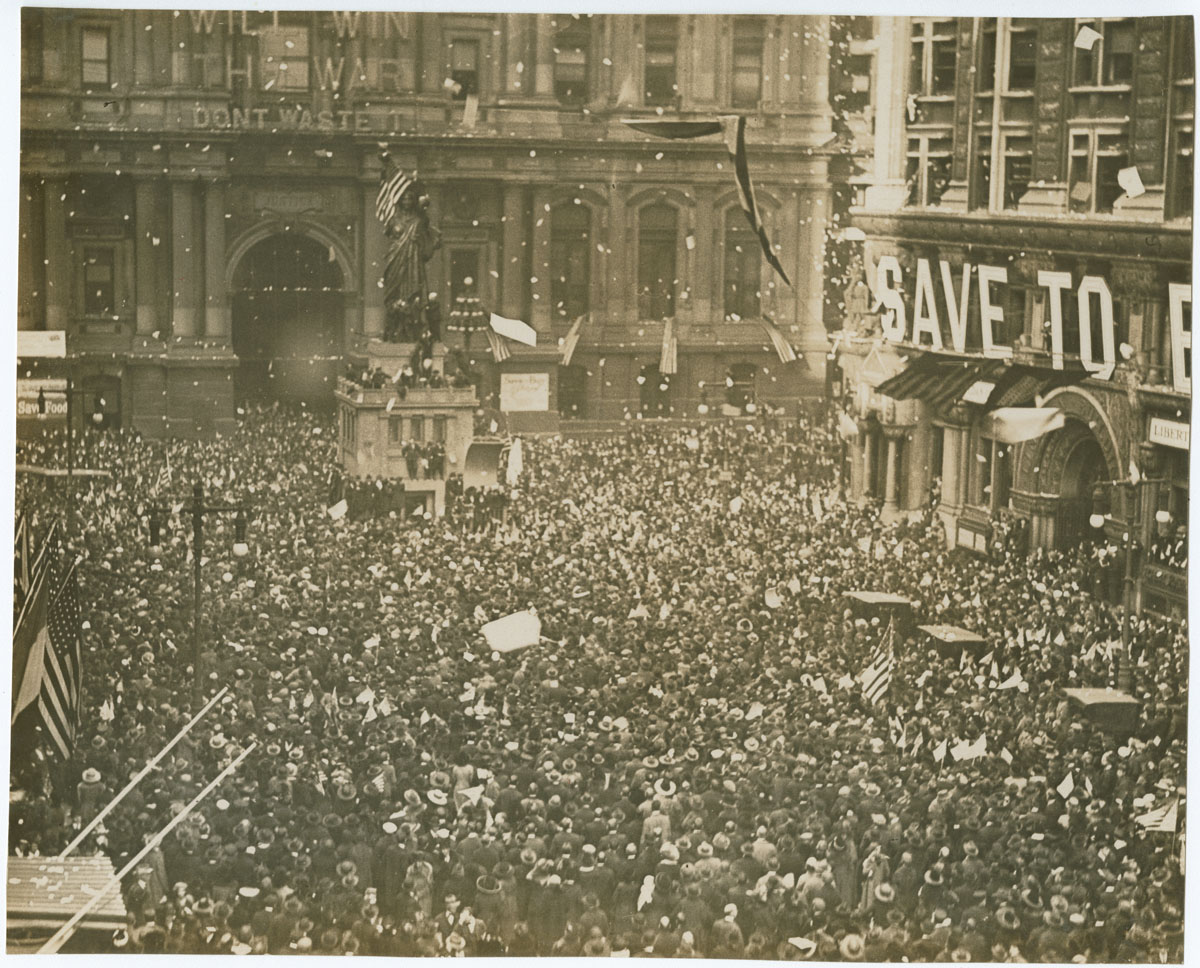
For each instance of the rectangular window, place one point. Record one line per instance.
(945, 59)
(981, 176)
(743, 268)
(98, 275)
(1022, 59)
(95, 56)
(748, 35)
(1117, 53)
(1096, 158)
(657, 241)
(1109, 62)
(1183, 177)
(439, 429)
(572, 39)
(661, 49)
(570, 260)
(986, 71)
(928, 169)
(1018, 169)
(416, 428)
(395, 430)
(283, 56)
(464, 67)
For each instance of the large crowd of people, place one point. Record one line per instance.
(684, 766)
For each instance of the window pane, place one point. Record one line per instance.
(1022, 62)
(743, 267)
(981, 190)
(987, 56)
(748, 35)
(662, 37)
(916, 68)
(572, 39)
(912, 179)
(939, 175)
(1085, 61)
(95, 45)
(944, 61)
(464, 67)
(657, 228)
(1184, 173)
(98, 282)
(1080, 182)
(570, 253)
(1108, 189)
(1018, 169)
(1118, 53)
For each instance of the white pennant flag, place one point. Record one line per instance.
(1067, 786)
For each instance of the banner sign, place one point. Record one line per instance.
(941, 313)
(1170, 433)
(41, 344)
(54, 393)
(524, 392)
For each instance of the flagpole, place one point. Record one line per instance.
(63, 934)
(82, 835)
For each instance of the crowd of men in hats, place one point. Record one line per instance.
(684, 766)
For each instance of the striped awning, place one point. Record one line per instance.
(939, 380)
(668, 363)
(44, 892)
(1020, 385)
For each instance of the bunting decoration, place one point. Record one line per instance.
(733, 127)
(570, 342)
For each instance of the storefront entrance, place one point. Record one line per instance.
(288, 321)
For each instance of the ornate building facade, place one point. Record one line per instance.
(198, 193)
(1027, 239)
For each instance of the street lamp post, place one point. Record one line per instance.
(198, 508)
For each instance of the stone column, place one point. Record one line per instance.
(540, 303)
(887, 190)
(184, 284)
(147, 207)
(518, 72)
(374, 258)
(890, 504)
(28, 257)
(513, 283)
(58, 255)
(543, 80)
(868, 443)
(216, 296)
(951, 460)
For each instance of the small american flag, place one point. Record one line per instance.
(877, 676)
(1163, 820)
(58, 701)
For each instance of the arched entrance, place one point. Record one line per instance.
(1082, 469)
(288, 320)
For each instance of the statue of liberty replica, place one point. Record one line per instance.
(403, 207)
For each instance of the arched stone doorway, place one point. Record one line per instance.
(288, 319)
(1058, 473)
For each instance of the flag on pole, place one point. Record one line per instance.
(57, 653)
(393, 184)
(1163, 820)
(668, 360)
(877, 676)
(570, 342)
(783, 349)
(917, 743)
(1067, 786)
(1012, 681)
(1006, 755)
(513, 329)
(500, 350)
(939, 751)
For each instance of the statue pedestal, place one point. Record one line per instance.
(392, 357)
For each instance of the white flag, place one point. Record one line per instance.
(338, 511)
(1067, 785)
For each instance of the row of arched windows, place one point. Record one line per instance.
(659, 242)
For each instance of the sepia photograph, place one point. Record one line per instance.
(673, 485)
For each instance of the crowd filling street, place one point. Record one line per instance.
(684, 766)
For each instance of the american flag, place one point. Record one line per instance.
(27, 562)
(47, 638)
(877, 676)
(393, 184)
(1163, 820)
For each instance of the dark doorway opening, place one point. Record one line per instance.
(288, 321)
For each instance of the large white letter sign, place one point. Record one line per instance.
(1088, 286)
(886, 277)
(1056, 282)
(1181, 339)
(925, 318)
(989, 314)
(957, 310)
